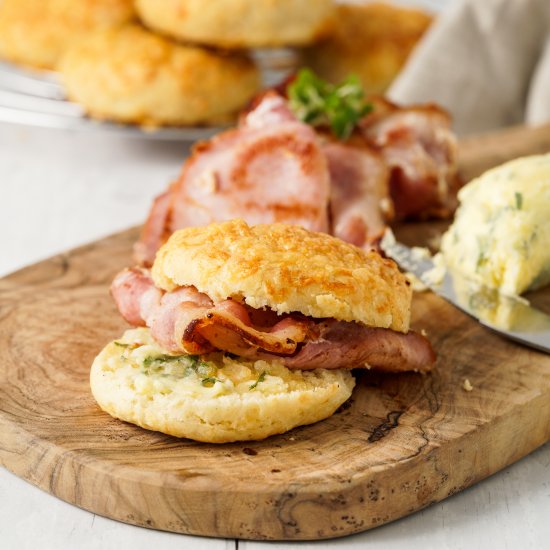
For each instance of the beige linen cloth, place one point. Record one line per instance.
(486, 61)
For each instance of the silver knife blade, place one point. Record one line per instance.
(512, 317)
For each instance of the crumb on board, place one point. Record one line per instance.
(424, 332)
(467, 386)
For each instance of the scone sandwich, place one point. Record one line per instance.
(248, 331)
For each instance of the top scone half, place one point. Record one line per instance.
(275, 291)
(246, 332)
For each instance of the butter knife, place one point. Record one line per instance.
(511, 317)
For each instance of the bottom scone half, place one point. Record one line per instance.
(213, 398)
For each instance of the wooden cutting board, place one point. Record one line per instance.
(401, 443)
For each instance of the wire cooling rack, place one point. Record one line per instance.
(36, 98)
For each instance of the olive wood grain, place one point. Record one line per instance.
(400, 443)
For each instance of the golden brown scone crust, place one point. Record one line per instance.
(372, 40)
(129, 74)
(37, 32)
(239, 23)
(241, 405)
(287, 269)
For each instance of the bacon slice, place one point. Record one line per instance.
(155, 231)
(227, 332)
(267, 109)
(271, 169)
(132, 288)
(186, 321)
(360, 205)
(422, 154)
(350, 345)
(174, 314)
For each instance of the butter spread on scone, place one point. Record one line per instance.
(213, 398)
(263, 311)
(501, 231)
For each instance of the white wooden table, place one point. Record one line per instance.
(59, 190)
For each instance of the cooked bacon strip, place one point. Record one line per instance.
(155, 230)
(270, 172)
(268, 108)
(271, 169)
(360, 204)
(421, 153)
(130, 288)
(170, 320)
(351, 345)
(226, 332)
(186, 321)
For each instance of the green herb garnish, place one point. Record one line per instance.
(156, 360)
(483, 254)
(481, 259)
(519, 201)
(320, 103)
(176, 365)
(261, 378)
(179, 365)
(121, 344)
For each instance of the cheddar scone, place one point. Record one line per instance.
(129, 74)
(286, 268)
(371, 40)
(214, 398)
(239, 23)
(36, 33)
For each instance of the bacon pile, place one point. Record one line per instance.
(187, 321)
(400, 164)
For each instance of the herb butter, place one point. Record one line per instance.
(501, 233)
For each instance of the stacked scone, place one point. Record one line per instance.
(371, 40)
(184, 63)
(36, 33)
(188, 62)
(130, 74)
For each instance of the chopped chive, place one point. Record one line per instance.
(121, 344)
(261, 378)
(157, 359)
